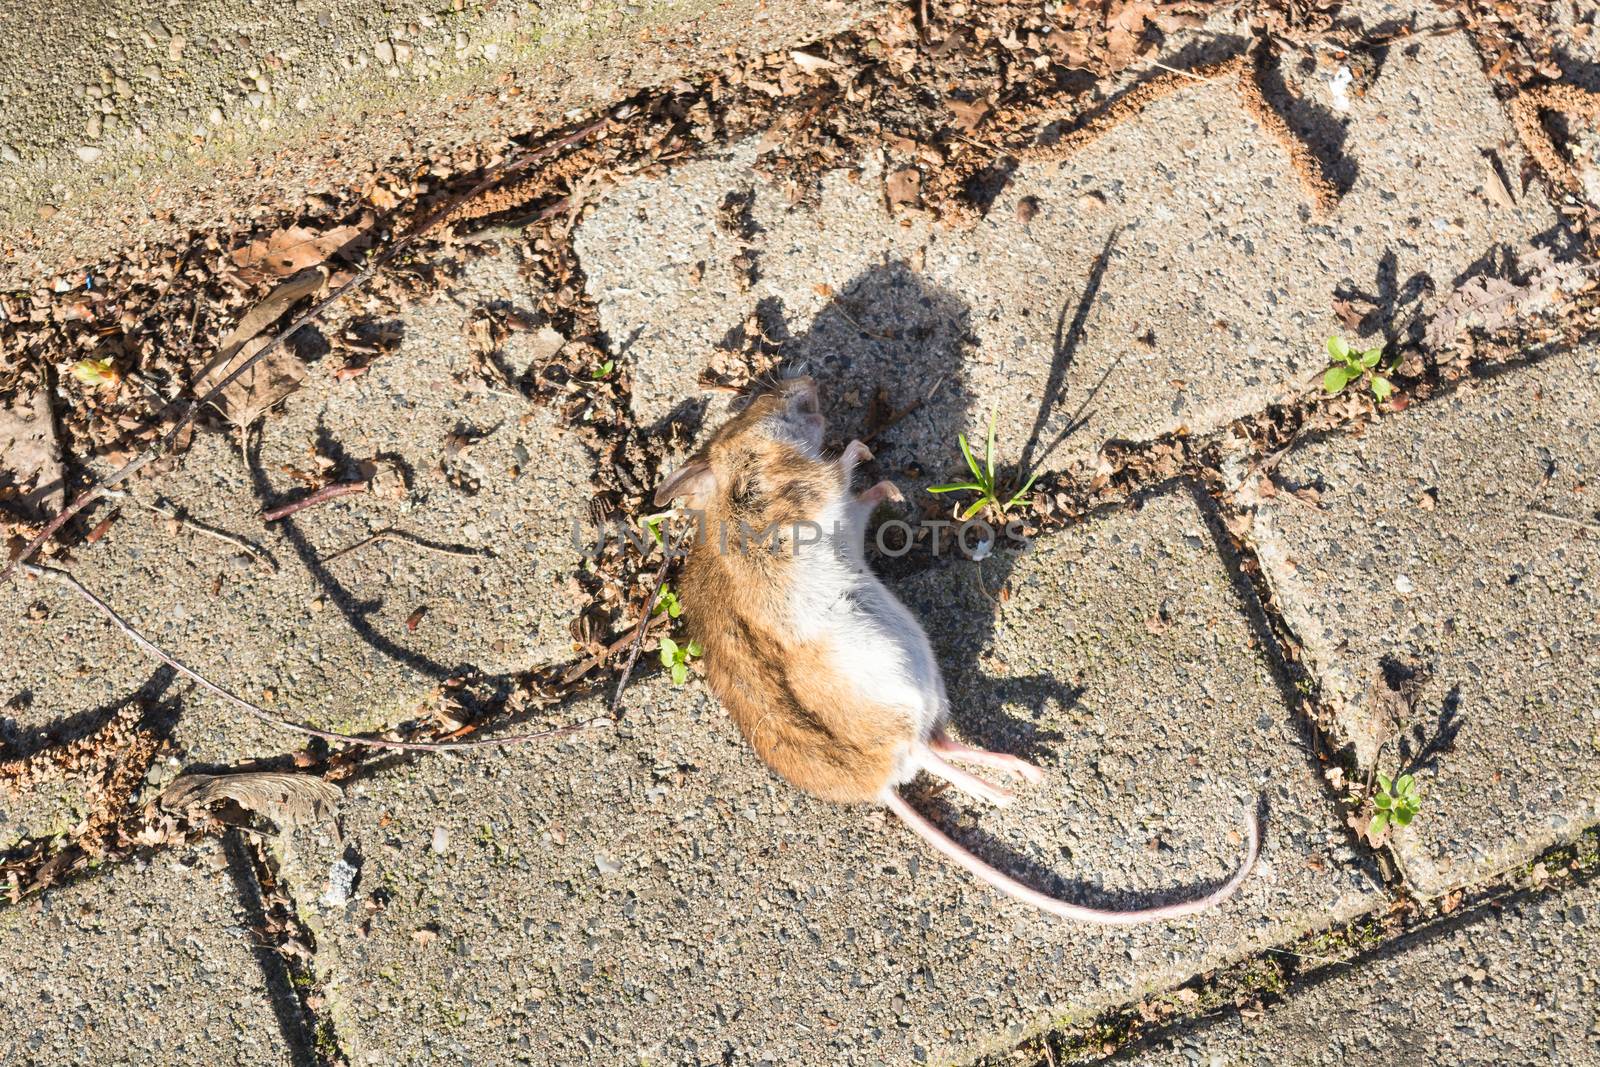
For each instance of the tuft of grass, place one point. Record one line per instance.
(983, 481)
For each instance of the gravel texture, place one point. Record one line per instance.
(1446, 539)
(146, 966)
(129, 121)
(1497, 986)
(323, 642)
(654, 894)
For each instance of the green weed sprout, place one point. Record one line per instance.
(1350, 365)
(1397, 802)
(983, 480)
(675, 658)
(668, 602)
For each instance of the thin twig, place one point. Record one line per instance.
(583, 667)
(1185, 73)
(903, 412)
(321, 496)
(257, 554)
(517, 161)
(64, 578)
(401, 537)
(644, 624)
(1568, 519)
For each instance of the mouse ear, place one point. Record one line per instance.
(690, 481)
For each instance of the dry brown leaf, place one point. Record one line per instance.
(904, 187)
(1124, 30)
(276, 376)
(1497, 189)
(1348, 314)
(29, 453)
(1130, 16)
(291, 250)
(969, 113)
(286, 799)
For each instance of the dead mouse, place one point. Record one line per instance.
(830, 678)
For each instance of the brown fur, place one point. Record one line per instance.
(804, 721)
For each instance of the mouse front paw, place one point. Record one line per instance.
(883, 491)
(854, 453)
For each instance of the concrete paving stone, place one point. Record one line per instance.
(324, 642)
(149, 965)
(1216, 295)
(654, 895)
(134, 122)
(1452, 536)
(1519, 985)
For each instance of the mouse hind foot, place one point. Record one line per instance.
(967, 782)
(948, 747)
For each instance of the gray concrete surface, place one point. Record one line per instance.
(146, 966)
(326, 643)
(651, 893)
(221, 111)
(1497, 987)
(1452, 537)
(1216, 296)
(657, 896)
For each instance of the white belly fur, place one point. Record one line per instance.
(875, 640)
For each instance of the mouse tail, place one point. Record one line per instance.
(953, 850)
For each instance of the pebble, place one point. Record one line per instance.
(341, 879)
(9, 154)
(385, 53)
(94, 126)
(175, 47)
(214, 116)
(441, 840)
(89, 153)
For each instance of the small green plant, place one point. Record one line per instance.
(676, 657)
(653, 523)
(1351, 365)
(668, 602)
(603, 370)
(983, 480)
(1397, 802)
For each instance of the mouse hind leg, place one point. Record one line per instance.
(948, 747)
(966, 781)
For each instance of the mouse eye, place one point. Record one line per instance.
(744, 492)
